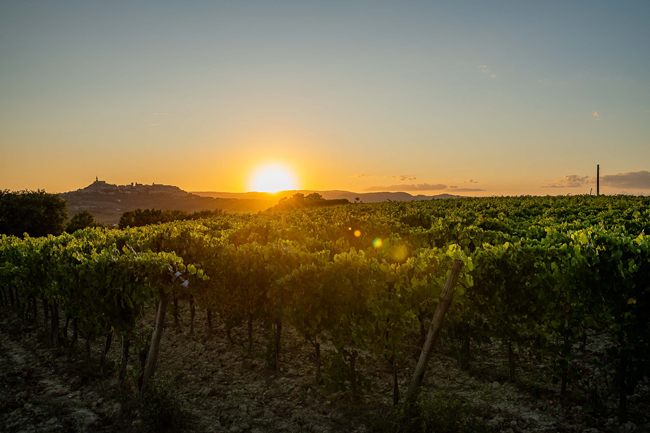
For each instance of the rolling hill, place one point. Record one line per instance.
(107, 202)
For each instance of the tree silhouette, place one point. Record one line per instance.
(36, 213)
(80, 221)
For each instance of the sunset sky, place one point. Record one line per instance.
(474, 98)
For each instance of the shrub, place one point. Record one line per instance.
(162, 410)
(436, 413)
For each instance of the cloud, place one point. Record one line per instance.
(631, 179)
(412, 187)
(482, 66)
(470, 181)
(493, 75)
(568, 181)
(404, 177)
(638, 194)
(596, 113)
(456, 189)
(362, 175)
(423, 187)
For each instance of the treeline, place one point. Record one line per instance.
(34, 212)
(144, 217)
(300, 201)
(38, 213)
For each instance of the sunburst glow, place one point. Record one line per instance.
(272, 178)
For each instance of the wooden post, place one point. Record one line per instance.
(46, 310)
(209, 321)
(55, 324)
(126, 343)
(75, 335)
(192, 314)
(597, 180)
(150, 367)
(107, 347)
(434, 330)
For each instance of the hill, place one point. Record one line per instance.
(367, 197)
(107, 202)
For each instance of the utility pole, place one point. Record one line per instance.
(597, 180)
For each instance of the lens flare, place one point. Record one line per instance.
(377, 243)
(400, 253)
(357, 233)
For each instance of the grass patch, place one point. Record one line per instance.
(162, 410)
(435, 413)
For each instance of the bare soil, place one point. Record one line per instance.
(42, 389)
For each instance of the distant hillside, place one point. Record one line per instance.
(366, 197)
(107, 202)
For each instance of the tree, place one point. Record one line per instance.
(36, 213)
(141, 217)
(144, 217)
(80, 221)
(314, 196)
(314, 199)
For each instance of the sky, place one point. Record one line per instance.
(477, 98)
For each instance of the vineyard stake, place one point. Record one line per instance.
(434, 330)
(155, 341)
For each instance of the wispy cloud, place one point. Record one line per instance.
(596, 113)
(423, 187)
(463, 189)
(484, 69)
(568, 181)
(470, 181)
(401, 177)
(639, 194)
(631, 179)
(411, 187)
(404, 177)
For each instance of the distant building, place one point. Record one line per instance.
(101, 187)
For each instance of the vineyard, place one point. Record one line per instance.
(356, 286)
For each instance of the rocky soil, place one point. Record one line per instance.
(42, 389)
(39, 394)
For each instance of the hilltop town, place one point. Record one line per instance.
(107, 202)
(101, 187)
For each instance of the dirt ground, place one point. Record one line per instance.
(42, 389)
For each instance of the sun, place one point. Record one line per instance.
(272, 178)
